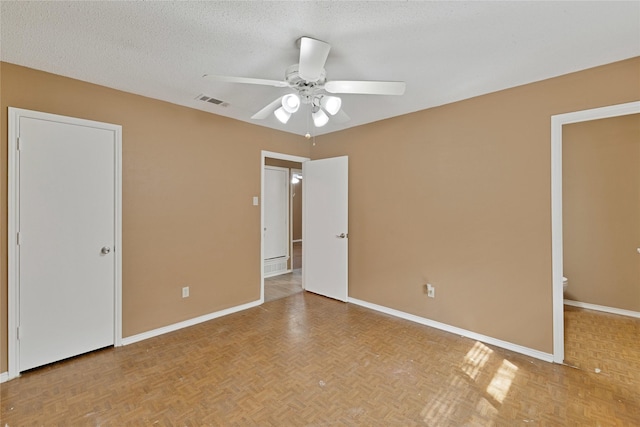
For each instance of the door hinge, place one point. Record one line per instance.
(18, 239)
(19, 144)
(18, 333)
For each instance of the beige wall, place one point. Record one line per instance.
(459, 196)
(601, 211)
(188, 217)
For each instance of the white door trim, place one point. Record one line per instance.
(263, 156)
(13, 198)
(557, 122)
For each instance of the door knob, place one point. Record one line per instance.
(638, 250)
(105, 250)
(342, 236)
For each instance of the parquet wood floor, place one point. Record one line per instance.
(604, 343)
(282, 286)
(309, 361)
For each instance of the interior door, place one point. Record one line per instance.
(276, 212)
(66, 272)
(325, 227)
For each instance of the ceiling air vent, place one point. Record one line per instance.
(210, 100)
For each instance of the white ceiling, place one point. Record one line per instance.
(444, 51)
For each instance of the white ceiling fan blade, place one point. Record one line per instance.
(365, 87)
(341, 117)
(264, 113)
(246, 80)
(313, 55)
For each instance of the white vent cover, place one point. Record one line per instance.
(275, 266)
(211, 100)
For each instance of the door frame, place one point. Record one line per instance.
(280, 156)
(13, 198)
(557, 121)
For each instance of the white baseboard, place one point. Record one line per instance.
(547, 357)
(4, 377)
(170, 328)
(604, 308)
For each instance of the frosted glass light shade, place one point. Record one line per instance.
(320, 118)
(291, 103)
(282, 115)
(331, 103)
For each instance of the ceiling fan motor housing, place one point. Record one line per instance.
(306, 90)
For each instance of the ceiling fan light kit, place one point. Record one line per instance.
(308, 80)
(331, 104)
(320, 118)
(282, 115)
(291, 103)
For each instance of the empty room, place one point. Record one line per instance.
(320, 213)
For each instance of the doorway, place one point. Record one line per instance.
(282, 233)
(64, 209)
(296, 218)
(289, 283)
(557, 123)
(601, 235)
(325, 225)
(282, 285)
(276, 232)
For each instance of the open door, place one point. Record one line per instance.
(325, 227)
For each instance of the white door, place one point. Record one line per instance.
(276, 212)
(66, 223)
(325, 227)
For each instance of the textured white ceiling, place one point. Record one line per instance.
(445, 51)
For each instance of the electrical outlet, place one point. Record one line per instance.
(185, 292)
(431, 291)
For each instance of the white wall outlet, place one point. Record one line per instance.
(185, 292)
(255, 201)
(431, 291)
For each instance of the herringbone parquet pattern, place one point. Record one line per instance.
(307, 360)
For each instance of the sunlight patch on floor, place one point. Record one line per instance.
(483, 378)
(475, 360)
(501, 381)
(486, 408)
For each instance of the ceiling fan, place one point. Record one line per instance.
(308, 79)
